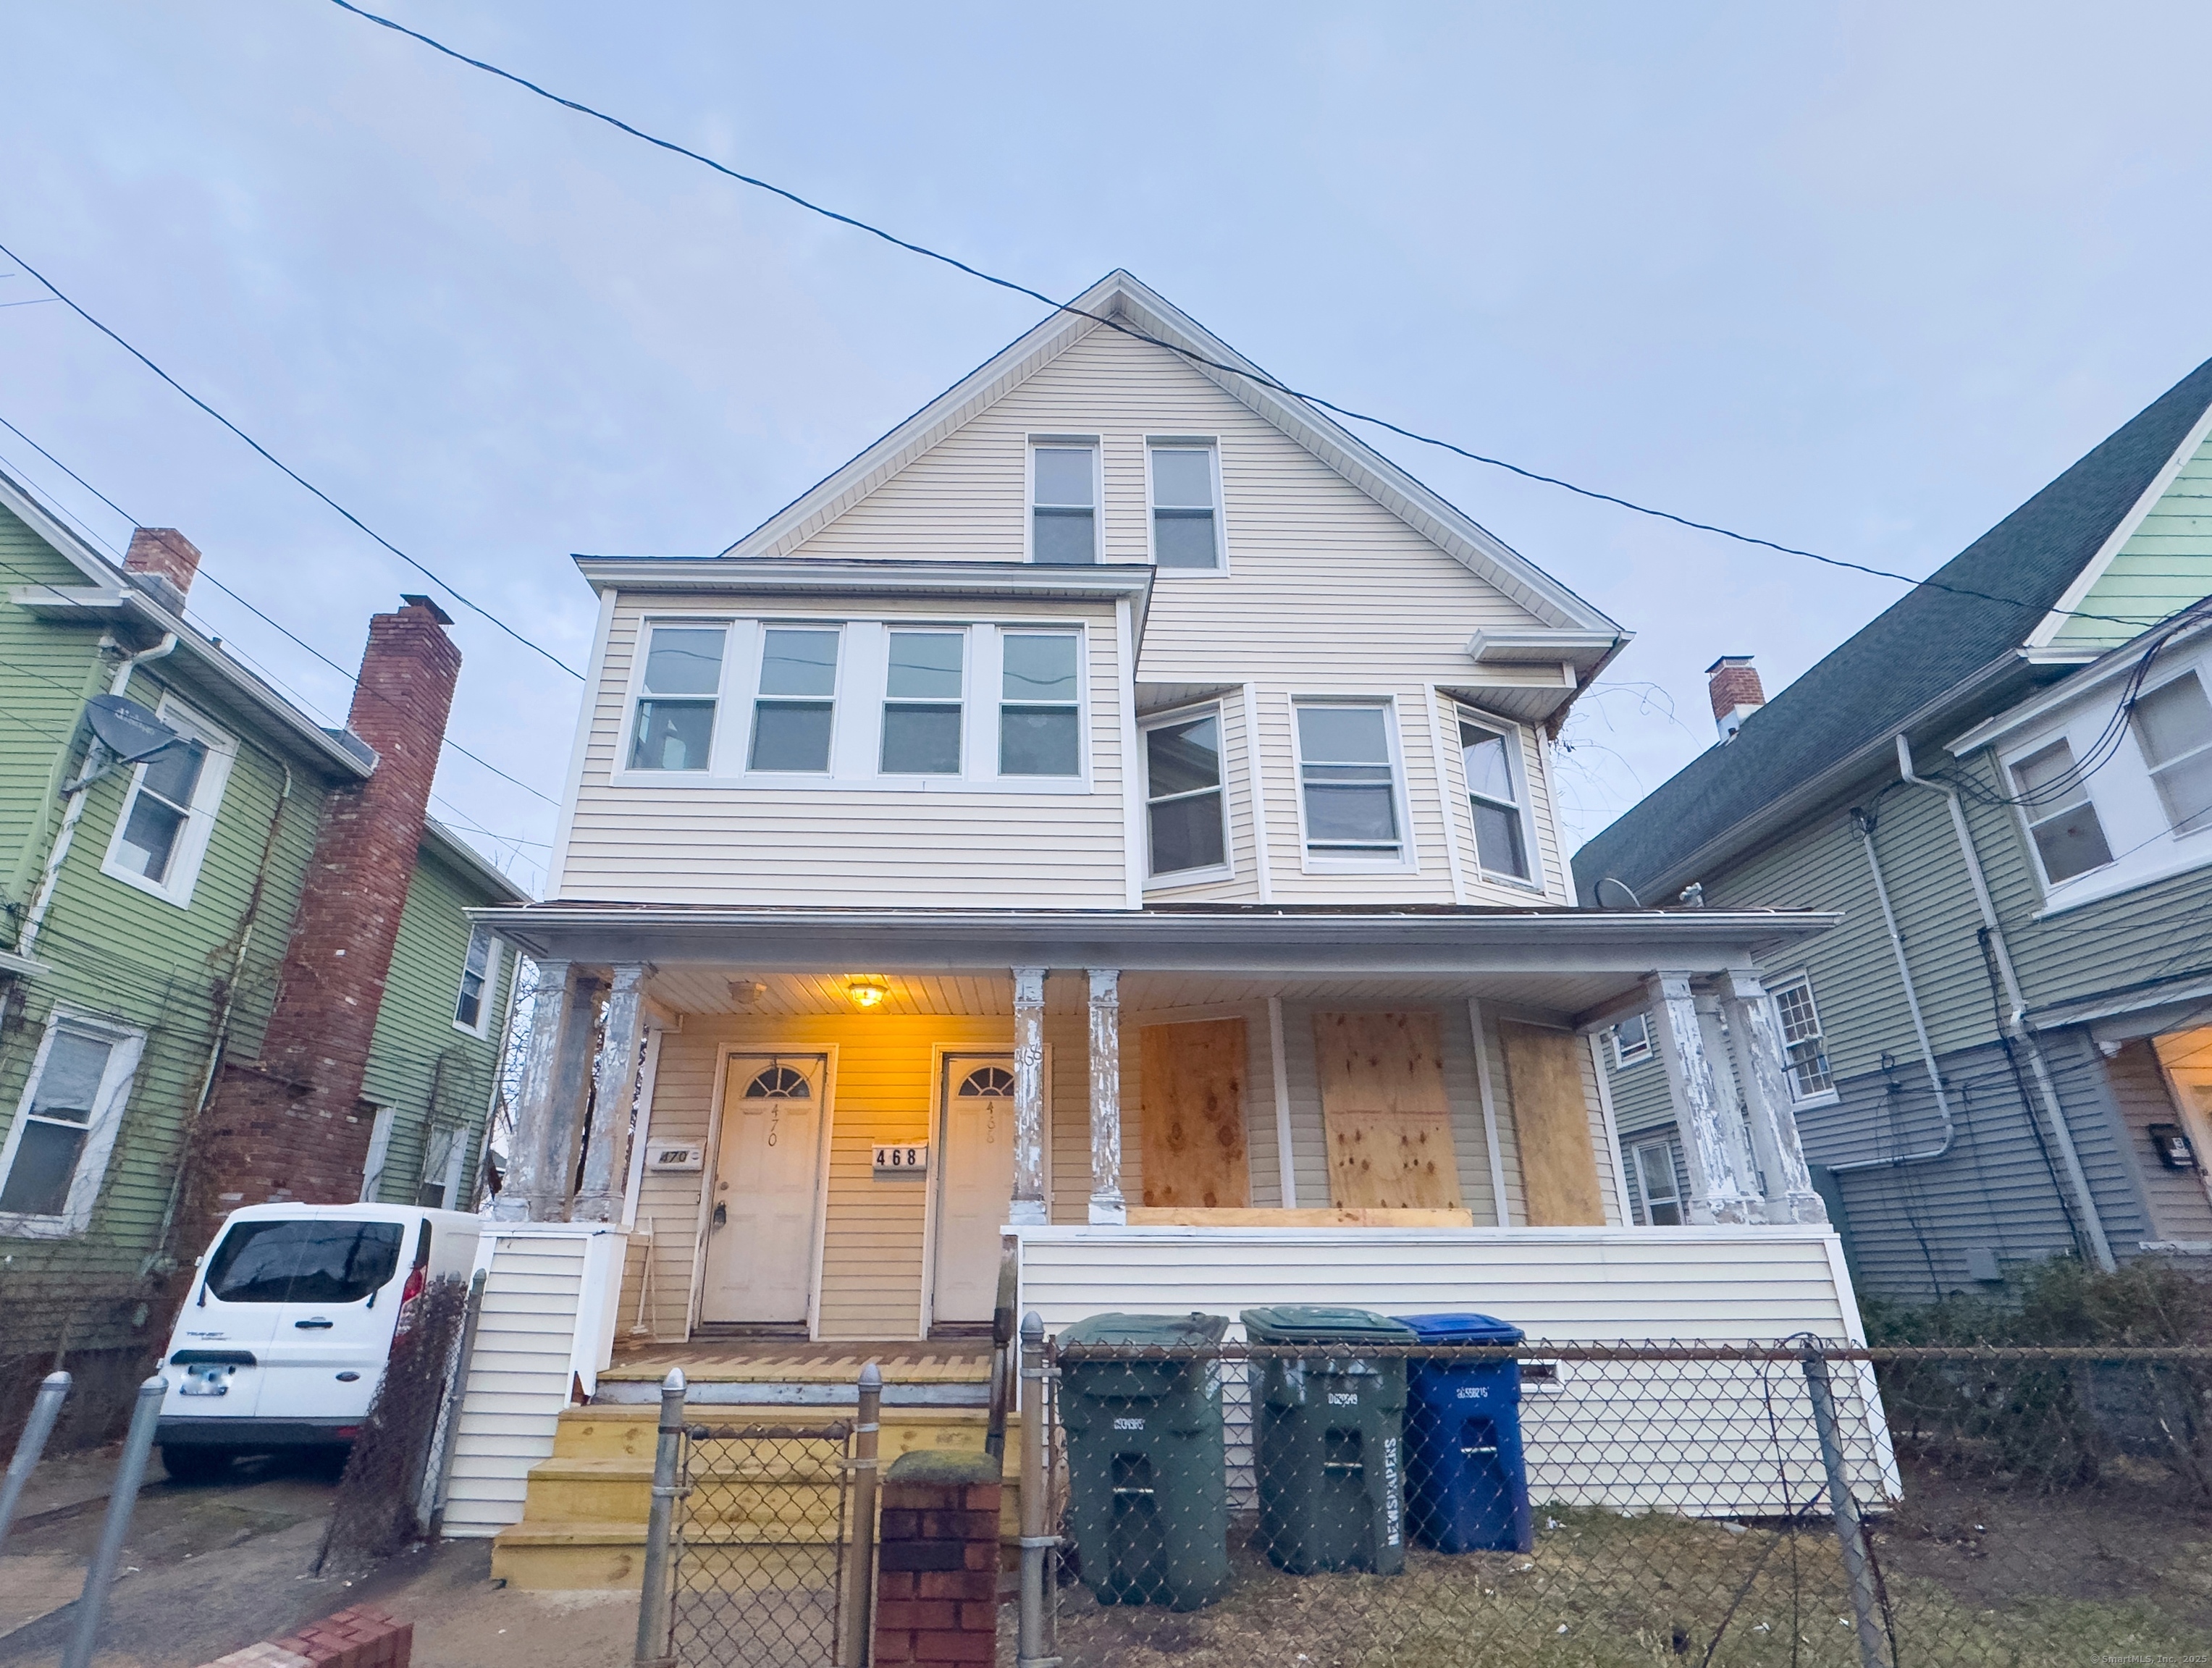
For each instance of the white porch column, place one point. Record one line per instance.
(614, 1093)
(1028, 1207)
(1718, 1192)
(550, 1099)
(1735, 1126)
(1761, 1070)
(1107, 1207)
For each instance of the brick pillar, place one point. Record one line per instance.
(163, 552)
(937, 1562)
(290, 1126)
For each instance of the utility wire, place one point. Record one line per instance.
(477, 608)
(1248, 373)
(273, 625)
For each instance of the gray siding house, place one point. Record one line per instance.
(2004, 783)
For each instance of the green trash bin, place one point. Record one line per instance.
(1147, 1495)
(1330, 1444)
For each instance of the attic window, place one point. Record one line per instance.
(1064, 503)
(1186, 519)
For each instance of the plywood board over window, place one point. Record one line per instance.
(1192, 1122)
(1383, 1108)
(1558, 1164)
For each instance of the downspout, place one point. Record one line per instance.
(2015, 1023)
(95, 758)
(1864, 824)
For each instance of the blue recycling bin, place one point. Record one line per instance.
(1466, 1482)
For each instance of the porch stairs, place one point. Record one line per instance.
(584, 1514)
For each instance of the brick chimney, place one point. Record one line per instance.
(1733, 683)
(164, 560)
(291, 1126)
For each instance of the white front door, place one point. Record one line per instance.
(763, 1214)
(975, 1184)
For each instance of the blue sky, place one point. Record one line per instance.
(1857, 278)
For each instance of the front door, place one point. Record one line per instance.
(761, 1218)
(975, 1185)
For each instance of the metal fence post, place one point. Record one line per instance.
(1865, 1613)
(652, 1606)
(122, 1501)
(858, 1597)
(53, 1389)
(1033, 1641)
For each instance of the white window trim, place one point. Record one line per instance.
(100, 1130)
(1517, 764)
(965, 701)
(1408, 859)
(379, 1157)
(199, 822)
(1097, 445)
(1189, 442)
(495, 960)
(1621, 1060)
(1635, 1146)
(1775, 986)
(1213, 874)
(856, 715)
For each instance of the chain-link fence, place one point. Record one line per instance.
(760, 1544)
(1437, 1506)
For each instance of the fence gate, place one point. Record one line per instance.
(760, 1545)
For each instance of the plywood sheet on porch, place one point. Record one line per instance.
(1385, 1110)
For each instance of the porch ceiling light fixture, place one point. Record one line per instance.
(866, 991)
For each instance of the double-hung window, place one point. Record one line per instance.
(479, 981)
(1186, 511)
(793, 716)
(1804, 1050)
(1064, 502)
(2173, 724)
(2061, 817)
(1631, 1041)
(65, 1122)
(1493, 795)
(1183, 794)
(169, 813)
(922, 684)
(674, 728)
(1656, 1186)
(1040, 710)
(1347, 774)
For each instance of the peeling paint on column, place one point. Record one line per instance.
(606, 1153)
(1760, 1064)
(533, 1100)
(1717, 1193)
(1028, 1207)
(1107, 1207)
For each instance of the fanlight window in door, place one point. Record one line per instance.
(779, 1083)
(992, 1080)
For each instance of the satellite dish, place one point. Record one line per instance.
(125, 728)
(1618, 897)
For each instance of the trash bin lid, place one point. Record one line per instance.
(1314, 1323)
(1462, 1329)
(1154, 1331)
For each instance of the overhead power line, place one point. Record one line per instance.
(1258, 378)
(301, 480)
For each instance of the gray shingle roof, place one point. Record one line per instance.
(1924, 643)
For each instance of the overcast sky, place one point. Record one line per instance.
(1857, 278)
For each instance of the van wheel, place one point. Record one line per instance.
(195, 1463)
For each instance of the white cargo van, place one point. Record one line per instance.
(292, 1314)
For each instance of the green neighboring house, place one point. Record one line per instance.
(152, 920)
(2005, 1050)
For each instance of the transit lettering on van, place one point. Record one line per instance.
(293, 1314)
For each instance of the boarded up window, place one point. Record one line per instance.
(1558, 1165)
(1382, 1105)
(1192, 1125)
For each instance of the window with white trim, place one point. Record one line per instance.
(444, 1152)
(1631, 1041)
(472, 1002)
(1804, 1048)
(2174, 725)
(1064, 502)
(1495, 798)
(1040, 711)
(673, 728)
(923, 681)
(1186, 504)
(1348, 780)
(795, 707)
(1183, 806)
(382, 1122)
(56, 1148)
(2062, 819)
(1655, 1184)
(168, 815)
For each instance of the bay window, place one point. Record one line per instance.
(1494, 797)
(1183, 794)
(1348, 780)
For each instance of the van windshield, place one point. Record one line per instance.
(304, 1262)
